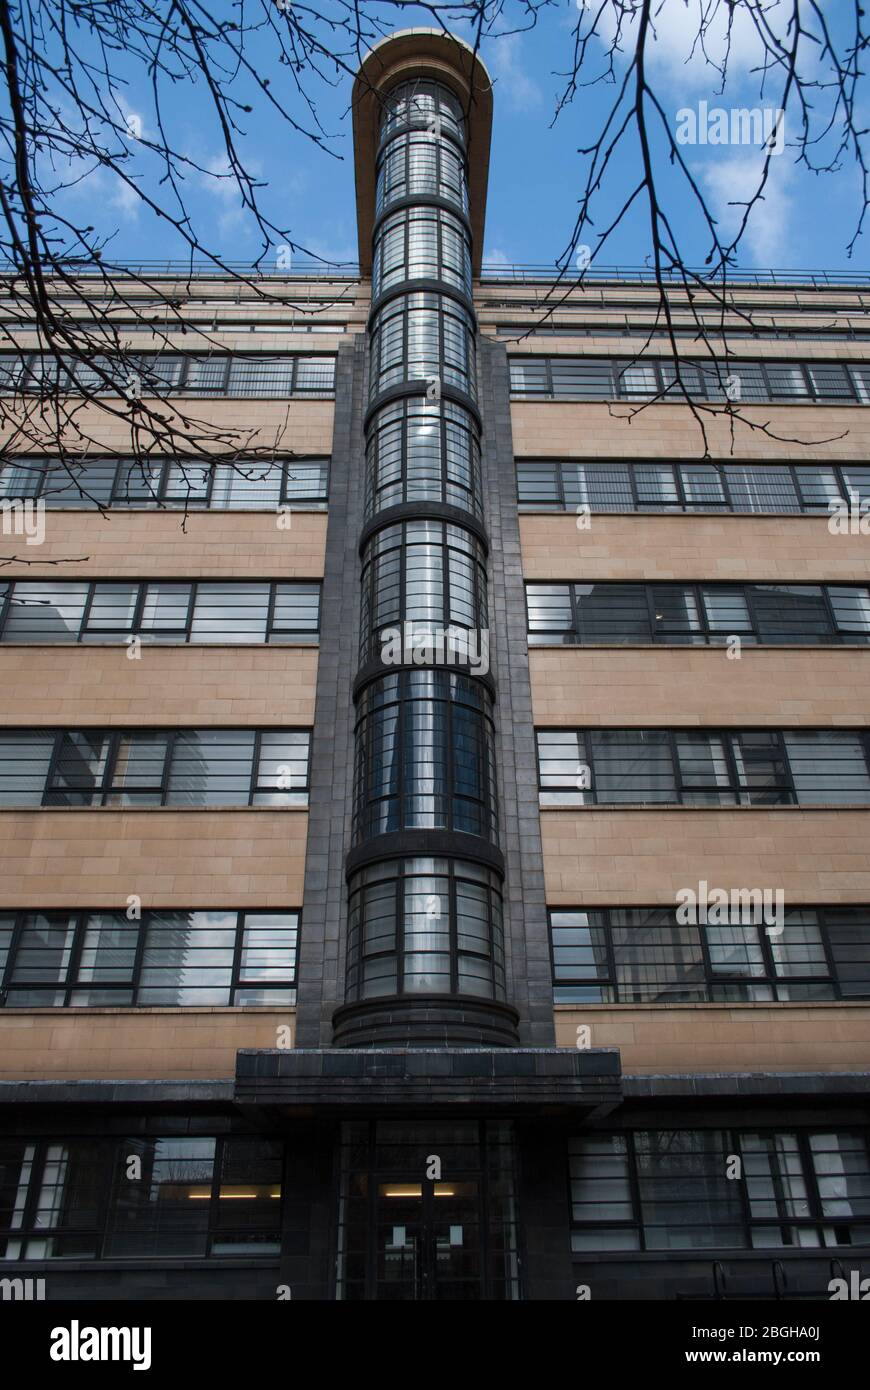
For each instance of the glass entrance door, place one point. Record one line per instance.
(427, 1212)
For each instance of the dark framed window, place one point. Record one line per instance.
(698, 614)
(154, 767)
(422, 451)
(670, 1190)
(422, 337)
(733, 380)
(421, 243)
(428, 574)
(704, 767)
(645, 955)
(193, 1196)
(654, 485)
(229, 611)
(177, 958)
(430, 926)
(168, 373)
(422, 103)
(425, 756)
(418, 163)
(167, 483)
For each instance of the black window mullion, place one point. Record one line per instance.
(109, 769)
(139, 954)
(139, 608)
(675, 765)
(750, 594)
(786, 761)
(453, 931)
(215, 1196)
(706, 960)
(270, 611)
(255, 766)
(835, 632)
(5, 605)
(735, 1147)
(72, 970)
(86, 611)
(829, 952)
(727, 736)
(634, 1187)
(171, 740)
(14, 943)
(191, 609)
(235, 978)
(400, 894)
(610, 952)
(52, 766)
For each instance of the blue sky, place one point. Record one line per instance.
(536, 174)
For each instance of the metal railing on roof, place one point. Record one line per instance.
(491, 273)
(621, 274)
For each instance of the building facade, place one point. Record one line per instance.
(439, 871)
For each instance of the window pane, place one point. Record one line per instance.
(230, 612)
(211, 767)
(113, 607)
(167, 1211)
(78, 775)
(296, 614)
(138, 772)
(164, 611)
(45, 612)
(828, 767)
(188, 958)
(109, 949)
(632, 765)
(687, 1201)
(851, 611)
(24, 763)
(282, 777)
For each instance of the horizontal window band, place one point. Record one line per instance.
(416, 844)
(423, 200)
(423, 511)
(428, 286)
(374, 670)
(419, 388)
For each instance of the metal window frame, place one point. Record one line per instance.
(106, 787)
(740, 790)
(71, 984)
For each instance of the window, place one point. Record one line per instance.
(429, 575)
(730, 380)
(419, 163)
(422, 337)
(159, 611)
(563, 485)
(154, 767)
(700, 767)
(425, 756)
(420, 451)
(648, 956)
(221, 374)
(198, 1196)
(169, 483)
(421, 243)
(697, 614)
(426, 926)
(669, 1190)
(172, 958)
(421, 103)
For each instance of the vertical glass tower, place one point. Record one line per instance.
(425, 939)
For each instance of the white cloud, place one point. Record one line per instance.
(495, 257)
(514, 87)
(770, 238)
